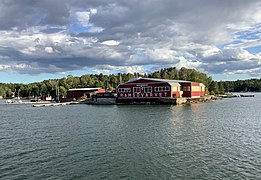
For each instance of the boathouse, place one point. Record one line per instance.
(192, 89)
(153, 90)
(83, 92)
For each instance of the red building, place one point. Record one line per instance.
(83, 92)
(150, 89)
(192, 89)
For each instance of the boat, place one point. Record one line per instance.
(105, 98)
(16, 100)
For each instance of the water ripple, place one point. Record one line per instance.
(217, 140)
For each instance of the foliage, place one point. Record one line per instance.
(110, 82)
(250, 85)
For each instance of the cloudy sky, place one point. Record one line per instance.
(42, 39)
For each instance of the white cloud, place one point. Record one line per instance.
(61, 73)
(108, 69)
(49, 49)
(83, 18)
(244, 44)
(229, 54)
(21, 66)
(4, 66)
(163, 54)
(111, 43)
(93, 11)
(187, 64)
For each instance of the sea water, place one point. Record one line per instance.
(214, 140)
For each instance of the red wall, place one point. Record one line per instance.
(75, 94)
(142, 84)
(186, 93)
(146, 83)
(192, 93)
(80, 93)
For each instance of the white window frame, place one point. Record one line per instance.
(124, 90)
(186, 88)
(162, 88)
(148, 87)
(135, 89)
(127, 89)
(167, 88)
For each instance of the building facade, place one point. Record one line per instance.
(149, 89)
(83, 92)
(192, 89)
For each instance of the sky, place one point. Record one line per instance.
(53, 39)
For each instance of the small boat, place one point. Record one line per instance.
(105, 98)
(15, 100)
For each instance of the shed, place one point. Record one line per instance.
(83, 92)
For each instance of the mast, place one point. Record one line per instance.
(57, 92)
(120, 78)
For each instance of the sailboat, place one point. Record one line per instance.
(15, 100)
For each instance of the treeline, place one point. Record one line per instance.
(110, 82)
(250, 85)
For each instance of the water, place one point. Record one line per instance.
(214, 140)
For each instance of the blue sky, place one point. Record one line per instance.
(53, 39)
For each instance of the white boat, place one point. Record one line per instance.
(16, 100)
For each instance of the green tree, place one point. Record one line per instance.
(2, 92)
(63, 91)
(8, 92)
(221, 88)
(213, 88)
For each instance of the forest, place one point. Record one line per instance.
(110, 82)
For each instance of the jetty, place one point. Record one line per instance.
(56, 104)
(236, 95)
(247, 95)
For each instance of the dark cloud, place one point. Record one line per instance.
(232, 67)
(27, 13)
(46, 36)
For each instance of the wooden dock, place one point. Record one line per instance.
(236, 95)
(55, 104)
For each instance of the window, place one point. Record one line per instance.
(148, 89)
(166, 88)
(162, 88)
(158, 89)
(136, 89)
(127, 90)
(186, 88)
(124, 90)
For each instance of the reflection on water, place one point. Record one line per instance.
(215, 140)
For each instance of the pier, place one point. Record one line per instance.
(56, 104)
(236, 95)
